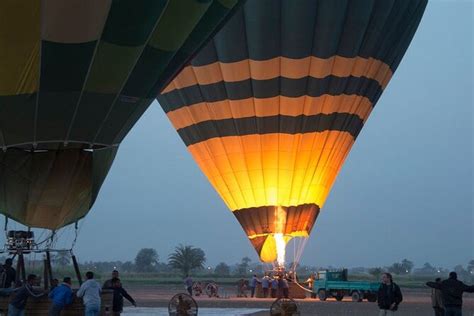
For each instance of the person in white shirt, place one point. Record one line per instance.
(90, 293)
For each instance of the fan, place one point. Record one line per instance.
(182, 305)
(284, 307)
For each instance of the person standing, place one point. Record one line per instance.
(310, 282)
(253, 284)
(437, 300)
(18, 303)
(119, 294)
(61, 296)
(284, 287)
(108, 283)
(265, 285)
(389, 296)
(451, 292)
(188, 284)
(274, 290)
(7, 274)
(90, 292)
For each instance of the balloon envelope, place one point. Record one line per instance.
(77, 75)
(270, 108)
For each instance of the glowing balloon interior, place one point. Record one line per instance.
(270, 108)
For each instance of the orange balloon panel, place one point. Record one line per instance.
(304, 105)
(273, 169)
(284, 67)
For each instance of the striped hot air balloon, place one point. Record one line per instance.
(75, 76)
(271, 107)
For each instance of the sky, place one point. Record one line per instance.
(405, 191)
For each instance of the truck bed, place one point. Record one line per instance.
(346, 285)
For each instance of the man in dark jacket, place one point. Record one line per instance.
(108, 283)
(451, 291)
(119, 294)
(389, 296)
(7, 274)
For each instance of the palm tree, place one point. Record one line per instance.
(186, 258)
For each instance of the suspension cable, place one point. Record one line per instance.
(76, 233)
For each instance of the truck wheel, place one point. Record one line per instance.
(372, 298)
(322, 295)
(356, 296)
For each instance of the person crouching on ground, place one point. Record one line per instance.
(90, 293)
(389, 296)
(119, 294)
(451, 291)
(61, 296)
(18, 303)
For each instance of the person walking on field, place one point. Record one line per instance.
(437, 300)
(389, 296)
(61, 296)
(90, 293)
(451, 293)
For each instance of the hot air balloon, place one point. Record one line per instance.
(271, 107)
(75, 76)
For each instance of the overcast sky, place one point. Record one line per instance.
(405, 191)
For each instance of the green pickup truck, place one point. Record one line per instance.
(335, 284)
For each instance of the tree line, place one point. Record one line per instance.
(187, 259)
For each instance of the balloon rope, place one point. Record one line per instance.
(75, 236)
(295, 280)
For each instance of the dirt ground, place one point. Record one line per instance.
(416, 302)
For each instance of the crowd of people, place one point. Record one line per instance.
(62, 295)
(273, 285)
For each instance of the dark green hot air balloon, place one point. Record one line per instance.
(75, 76)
